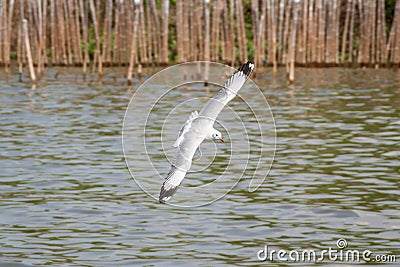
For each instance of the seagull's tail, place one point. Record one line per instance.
(171, 184)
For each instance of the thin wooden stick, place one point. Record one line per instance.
(164, 32)
(28, 51)
(292, 44)
(134, 41)
(97, 36)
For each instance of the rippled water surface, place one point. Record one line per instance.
(67, 198)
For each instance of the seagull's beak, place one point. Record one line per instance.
(221, 139)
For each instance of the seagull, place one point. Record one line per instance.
(199, 127)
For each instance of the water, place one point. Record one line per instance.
(68, 199)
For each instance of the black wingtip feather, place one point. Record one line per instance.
(166, 195)
(247, 68)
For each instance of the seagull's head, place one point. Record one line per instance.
(216, 135)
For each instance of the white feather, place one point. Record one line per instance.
(186, 128)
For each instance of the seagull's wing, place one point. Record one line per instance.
(186, 127)
(231, 87)
(189, 141)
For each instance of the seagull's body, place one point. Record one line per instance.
(199, 127)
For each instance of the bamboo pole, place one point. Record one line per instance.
(214, 29)
(107, 32)
(142, 35)
(302, 50)
(286, 31)
(292, 44)
(68, 36)
(156, 31)
(8, 36)
(207, 30)
(394, 38)
(185, 30)
(179, 30)
(206, 40)
(382, 34)
(126, 31)
(28, 51)
(85, 36)
(328, 33)
(40, 39)
(3, 26)
(280, 29)
(200, 33)
(232, 46)
(150, 36)
(255, 28)
(321, 31)
(261, 32)
(21, 56)
(351, 38)
(272, 37)
(345, 31)
(134, 42)
(164, 32)
(97, 36)
(192, 29)
(241, 32)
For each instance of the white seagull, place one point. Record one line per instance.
(198, 127)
